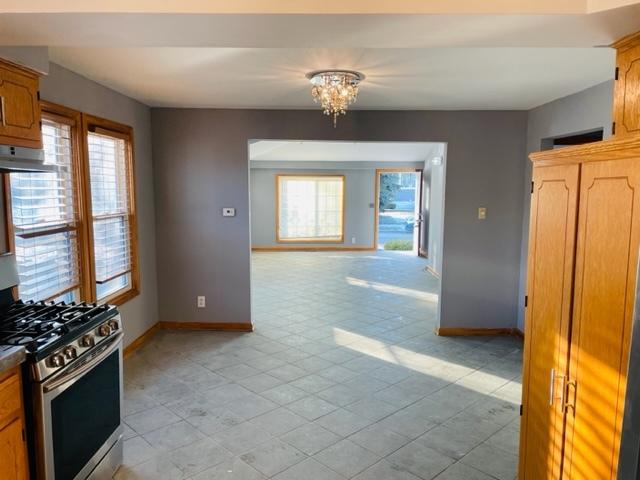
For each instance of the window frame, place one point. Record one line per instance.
(90, 124)
(343, 207)
(81, 124)
(73, 119)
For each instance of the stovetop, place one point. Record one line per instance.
(45, 327)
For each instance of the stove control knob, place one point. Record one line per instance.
(56, 360)
(87, 341)
(114, 325)
(104, 330)
(70, 353)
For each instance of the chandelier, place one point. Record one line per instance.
(335, 90)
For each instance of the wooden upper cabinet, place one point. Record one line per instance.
(626, 98)
(605, 278)
(19, 107)
(554, 205)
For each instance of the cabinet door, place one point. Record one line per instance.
(13, 456)
(626, 98)
(606, 261)
(19, 108)
(549, 290)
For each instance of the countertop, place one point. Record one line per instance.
(11, 356)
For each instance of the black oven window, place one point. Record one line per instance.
(84, 416)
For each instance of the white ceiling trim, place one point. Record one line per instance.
(314, 7)
(308, 31)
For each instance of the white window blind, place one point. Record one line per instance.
(310, 208)
(43, 208)
(111, 208)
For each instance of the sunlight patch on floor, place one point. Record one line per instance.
(393, 289)
(418, 362)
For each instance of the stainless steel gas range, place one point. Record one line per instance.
(73, 385)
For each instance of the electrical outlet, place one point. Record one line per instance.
(353, 240)
(202, 302)
(482, 213)
(228, 212)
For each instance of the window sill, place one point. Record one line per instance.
(309, 240)
(119, 298)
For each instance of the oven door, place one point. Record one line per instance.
(79, 416)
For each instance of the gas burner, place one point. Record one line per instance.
(21, 340)
(50, 317)
(46, 326)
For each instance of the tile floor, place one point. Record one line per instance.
(342, 379)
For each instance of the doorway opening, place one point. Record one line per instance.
(324, 218)
(399, 212)
(309, 195)
(579, 138)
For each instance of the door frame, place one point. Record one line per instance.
(423, 223)
(419, 172)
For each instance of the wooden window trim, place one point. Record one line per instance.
(81, 124)
(72, 118)
(93, 124)
(310, 240)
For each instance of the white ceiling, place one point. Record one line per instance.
(248, 60)
(336, 151)
(435, 78)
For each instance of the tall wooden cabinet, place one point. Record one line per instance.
(550, 277)
(626, 97)
(583, 258)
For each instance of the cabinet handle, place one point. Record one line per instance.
(2, 111)
(570, 404)
(552, 388)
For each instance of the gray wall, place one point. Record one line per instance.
(360, 193)
(72, 90)
(35, 58)
(201, 165)
(582, 111)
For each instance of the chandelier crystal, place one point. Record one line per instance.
(335, 90)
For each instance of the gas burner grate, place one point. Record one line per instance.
(36, 325)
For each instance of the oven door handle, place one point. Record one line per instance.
(76, 372)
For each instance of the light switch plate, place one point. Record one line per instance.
(228, 212)
(482, 213)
